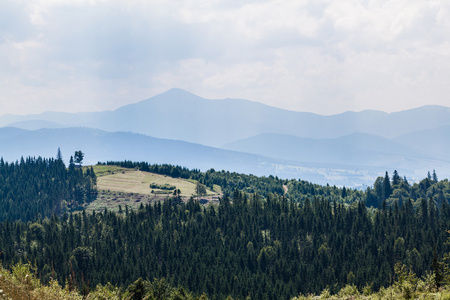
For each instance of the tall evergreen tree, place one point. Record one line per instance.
(435, 178)
(387, 190)
(395, 178)
(59, 155)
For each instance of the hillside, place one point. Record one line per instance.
(40, 187)
(130, 187)
(266, 237)
(269, 248)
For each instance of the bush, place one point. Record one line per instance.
(165, 186)
(348, 290)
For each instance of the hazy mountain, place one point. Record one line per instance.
(358, 149)
(10, 132)
(180, 115)
(433, 142)
(34, 124)
(354, 149)
(99, 145)
(299, 144)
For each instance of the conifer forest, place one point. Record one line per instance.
(267, 238)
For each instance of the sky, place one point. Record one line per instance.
(321, 56)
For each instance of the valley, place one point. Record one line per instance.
(350, 149)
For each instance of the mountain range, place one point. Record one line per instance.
(178, 127)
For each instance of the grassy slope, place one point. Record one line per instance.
(122, 186)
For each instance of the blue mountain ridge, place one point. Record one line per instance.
(179, 127)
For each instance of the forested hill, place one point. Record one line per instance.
(247, 246)
(268, 238)
(386, 191)
(38, 187)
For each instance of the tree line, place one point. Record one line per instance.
(385, 191)
(35, 188)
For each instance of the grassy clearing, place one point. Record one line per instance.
(129, 187)
(217, 189)
(124, 180)
(132, 181)
(103, 170)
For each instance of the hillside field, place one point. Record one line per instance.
(130, 187)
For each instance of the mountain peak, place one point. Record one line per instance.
(177, 93)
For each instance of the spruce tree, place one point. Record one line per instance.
(435, 178)
(387, 190)
(395, 178)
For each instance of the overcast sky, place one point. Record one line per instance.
(322, 56)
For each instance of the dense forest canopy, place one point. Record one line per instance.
(273, 248)
(268, 238)
(38, 187)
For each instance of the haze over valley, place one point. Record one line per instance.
(181, 128)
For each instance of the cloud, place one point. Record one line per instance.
(315, 55)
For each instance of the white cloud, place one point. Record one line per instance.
(317, 55)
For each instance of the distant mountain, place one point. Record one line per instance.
(180, 115)
(433, 142)
(100, 145)
(277, 142)
(358, 149)
(10, 132)
(35, 124)
(354, 149)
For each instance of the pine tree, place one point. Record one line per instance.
(71, 164)
(395, 178)
(436, 265)
(435, 178)
(387, 190)
(59, 155)
(344, 192)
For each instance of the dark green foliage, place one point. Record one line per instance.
(395, 179)
(78, 157)
(296, 238)
(387, 190)
(200, 189)
(38, 187)
(158, 289)
(435, 178)
(437, 266)
(271, 247)
(138, 289)
(162, 187)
